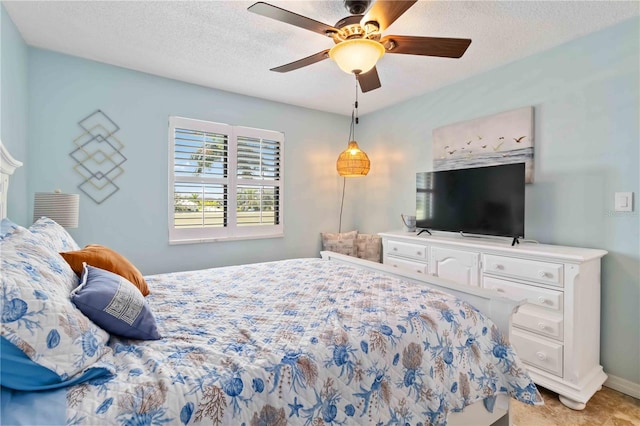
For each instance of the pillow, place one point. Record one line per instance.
(115, 304)
(105, 258)
(7, 227)
(369, 247)
(343, 243)
(19, 372)
(37, 315)
(53, 235)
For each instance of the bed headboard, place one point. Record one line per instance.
(8, 165)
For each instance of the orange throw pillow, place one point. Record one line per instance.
(105, 258)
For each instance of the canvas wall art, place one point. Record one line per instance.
(502, 138)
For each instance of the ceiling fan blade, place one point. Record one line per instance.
(303, 62)
(386, 12)
(369, 80)
(274, 12)
(426, 46)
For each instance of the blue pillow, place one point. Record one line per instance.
(20, 373)
(114, 304)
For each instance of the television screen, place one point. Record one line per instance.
(482, 200)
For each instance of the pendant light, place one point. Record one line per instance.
(353, 162)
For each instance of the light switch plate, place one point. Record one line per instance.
(624, 201)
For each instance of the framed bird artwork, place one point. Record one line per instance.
(502, 138)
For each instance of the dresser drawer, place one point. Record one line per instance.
(407, 265)
(543, 272)
(538, 352)
(541, 321)
(413, 251)
(550, 299)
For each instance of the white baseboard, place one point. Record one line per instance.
(622, 385)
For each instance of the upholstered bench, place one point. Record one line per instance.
(364, 246)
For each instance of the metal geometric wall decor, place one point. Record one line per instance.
(99, 156)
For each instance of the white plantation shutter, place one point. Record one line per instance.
(196, 151)
(225, 181)
(258, 188)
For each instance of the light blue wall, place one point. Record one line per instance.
(65, 89)
(13, 111)
(587, 134)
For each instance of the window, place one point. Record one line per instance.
(424, 196)
(225, 182)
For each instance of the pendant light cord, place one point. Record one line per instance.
(354, 112)
(344, 182)
(352, 137)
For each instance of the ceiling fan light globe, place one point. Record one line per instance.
(356, 56)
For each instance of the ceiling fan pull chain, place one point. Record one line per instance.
(356, 104)
(352, 130)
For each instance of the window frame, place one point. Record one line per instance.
(231, 231)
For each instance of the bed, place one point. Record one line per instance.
(332, 340)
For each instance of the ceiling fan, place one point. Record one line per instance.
(358, 39)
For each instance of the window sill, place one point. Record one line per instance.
(223, 239)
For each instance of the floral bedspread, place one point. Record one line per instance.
(304, 342)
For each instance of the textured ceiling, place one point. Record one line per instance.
(220, 44)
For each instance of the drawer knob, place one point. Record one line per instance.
(542, 300)
(500, 290)
(498, 267)
(541, 356)
(542, 274)
(395, 266)
(419, 271)
(395, 249)
(419, 253)
(542, 326)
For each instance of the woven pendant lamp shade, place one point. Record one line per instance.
(59, 207)
(353, 162)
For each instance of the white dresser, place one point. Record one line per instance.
(557, 333)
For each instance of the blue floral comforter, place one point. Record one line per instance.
(305, 342)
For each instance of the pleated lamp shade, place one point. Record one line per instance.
(62, 208)
(353, 162)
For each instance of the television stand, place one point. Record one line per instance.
(425, 230)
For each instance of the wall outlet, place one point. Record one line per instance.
(623, 202)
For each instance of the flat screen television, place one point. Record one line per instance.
(481, 200)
